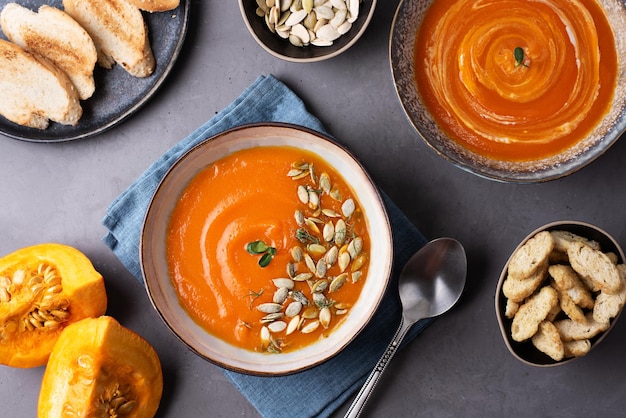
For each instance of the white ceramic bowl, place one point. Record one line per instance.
(525, 351)
(406, 23)
(155, 268)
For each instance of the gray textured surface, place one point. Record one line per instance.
(459, 366)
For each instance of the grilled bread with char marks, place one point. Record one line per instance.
(34, 91)
(119, 32)
(54, 35)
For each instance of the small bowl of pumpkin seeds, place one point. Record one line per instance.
(306, 30)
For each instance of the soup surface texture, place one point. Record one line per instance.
(256, 248)
(516, 80)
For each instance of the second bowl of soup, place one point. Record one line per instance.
(512, 90)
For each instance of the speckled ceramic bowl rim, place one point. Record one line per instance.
(401, 47)
(269, 50)
(154, 264)
(500, 299)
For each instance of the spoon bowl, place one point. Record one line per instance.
(430, 284)
(432, 280)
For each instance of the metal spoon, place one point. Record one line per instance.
(430, 284)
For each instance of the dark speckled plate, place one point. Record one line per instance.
(118, 95)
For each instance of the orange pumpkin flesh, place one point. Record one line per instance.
(99, 368)
(44, 288)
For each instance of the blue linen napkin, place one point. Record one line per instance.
(325, 387)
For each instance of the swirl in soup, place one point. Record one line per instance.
(267, 248)
(516, 80)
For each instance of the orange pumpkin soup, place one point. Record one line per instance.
(516, 80)
(267, 248)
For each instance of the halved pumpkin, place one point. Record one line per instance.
(99, 368)
(44, 288)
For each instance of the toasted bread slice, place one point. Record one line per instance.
(532, 313)
(609, 306)
(155, 5)
(595, 267)
(572, 330)
(576, 348)
(517, 289)
(571, 309)
(53, 34)
(34, 91)
(563, 240)
(119, 32)
(567, 280)
(548, 341)
(531, 256)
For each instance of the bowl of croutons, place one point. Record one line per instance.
(560, 293)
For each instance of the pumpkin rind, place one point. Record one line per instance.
(99, 368)
(44, 288)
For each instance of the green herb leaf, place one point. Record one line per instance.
(265, 259)
(257, 247)
(253, 296)
(518, 53)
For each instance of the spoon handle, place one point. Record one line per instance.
(364, 394)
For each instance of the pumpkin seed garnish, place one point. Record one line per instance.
(518, 53)
(293, 325)
(312, 326)
(269, 307)
(305, 236)
(328, 238)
